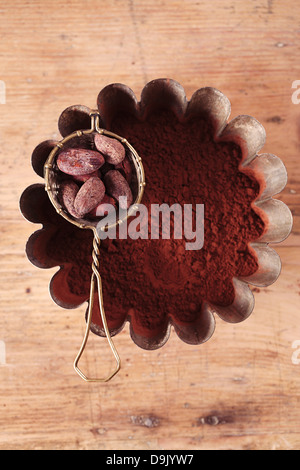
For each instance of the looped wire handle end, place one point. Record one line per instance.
(96, 278)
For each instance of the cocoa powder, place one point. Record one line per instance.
(154, 281)
(157, 280)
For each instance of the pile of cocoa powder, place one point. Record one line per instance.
(157, 280)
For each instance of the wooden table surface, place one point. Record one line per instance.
(241, 389)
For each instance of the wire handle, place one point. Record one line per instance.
(96, 277)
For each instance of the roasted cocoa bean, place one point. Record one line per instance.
(125, 169)
(112, 149)
(77, 162)
(117, 186)
(89, 196)
(67, 193)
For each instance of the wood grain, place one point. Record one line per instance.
(241, 389)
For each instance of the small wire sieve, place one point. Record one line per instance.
(51, 175)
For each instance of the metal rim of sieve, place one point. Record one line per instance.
(50, 171)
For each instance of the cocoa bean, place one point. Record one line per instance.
(112, 149)
(125, 169)
(89, 196)
(67, 193)
(117, 186)
(78, 162)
